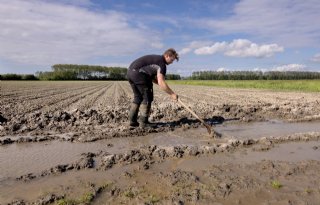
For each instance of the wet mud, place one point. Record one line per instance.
(69, 143)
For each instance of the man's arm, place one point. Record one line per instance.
(164, 86)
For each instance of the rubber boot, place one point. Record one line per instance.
(144, 116)
(133, 115)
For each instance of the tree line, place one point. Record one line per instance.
(253, 75)
(89, 72)
(12, 76)
(83, 72)
(78, 72)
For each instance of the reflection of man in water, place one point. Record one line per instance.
(141, 73)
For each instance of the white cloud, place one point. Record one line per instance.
(240, 48)
(258, 69)
(185, 51)
(316, 58)
(222, 69)
(285, 21)
(110, 64)
(215, 48)
(193, 45)
(43, 33)
(290, 67)
(73, 2)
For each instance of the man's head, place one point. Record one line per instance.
(170, 55)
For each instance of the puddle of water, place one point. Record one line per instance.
(24, 158)
(258, 130)
(194, 137)
(74, 184)
(289, 152)
(20, 159)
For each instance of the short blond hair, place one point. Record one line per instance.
(172, 52)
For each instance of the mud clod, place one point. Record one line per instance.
(48, 199)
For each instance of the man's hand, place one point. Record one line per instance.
(164, 86)
(174, 97)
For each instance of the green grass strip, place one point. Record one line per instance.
(276, 85)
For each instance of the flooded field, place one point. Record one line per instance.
(69, 143)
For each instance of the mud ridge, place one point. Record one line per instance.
(149, 155)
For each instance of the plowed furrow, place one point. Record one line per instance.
(47, 103)
(89, 101)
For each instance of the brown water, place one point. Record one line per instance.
(289, 152)
(76, 181)
(20, 159)
(257, 130)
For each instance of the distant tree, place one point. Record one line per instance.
(173, 77)
(11, 76)
(29, 77)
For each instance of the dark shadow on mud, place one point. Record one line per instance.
(215, 120)
(2, 119)
(211, 121)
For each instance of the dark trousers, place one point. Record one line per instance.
(142, 87)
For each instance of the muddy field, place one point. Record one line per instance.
(69, 143)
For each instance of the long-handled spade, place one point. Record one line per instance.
(210, 130)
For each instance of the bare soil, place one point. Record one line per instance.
(70, 143)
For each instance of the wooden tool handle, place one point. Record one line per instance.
(193, 113)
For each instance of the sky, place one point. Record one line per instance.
(218, 35)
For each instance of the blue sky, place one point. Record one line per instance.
(218, 35)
